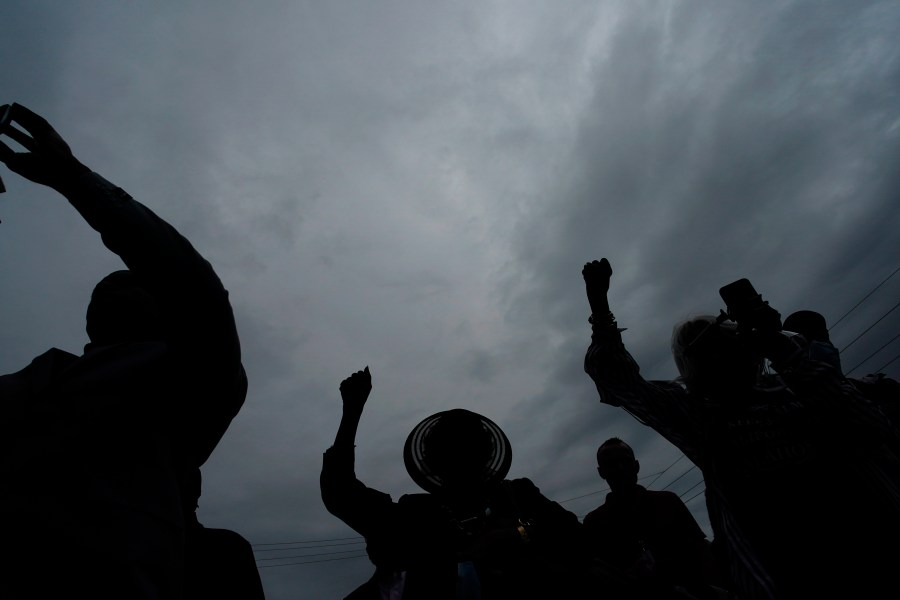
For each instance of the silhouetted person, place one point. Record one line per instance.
(798, 475)
(881, 390)
(812, 326)
(95, 449)
(647, 537)
(473, 535)
(219, 563)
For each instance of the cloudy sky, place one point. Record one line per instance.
(415, 186)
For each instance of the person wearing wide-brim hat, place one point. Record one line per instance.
(474, 534)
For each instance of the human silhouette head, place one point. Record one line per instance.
(710, 356)
(457, 452)
(814, 329)
(808, 323)
(121, 310)
(617, 465)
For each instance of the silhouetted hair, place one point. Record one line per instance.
(685, 337)
(611, 442)
(709, 354)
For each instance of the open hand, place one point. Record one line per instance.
(355, 390)
(48, 159)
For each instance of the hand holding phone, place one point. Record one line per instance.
(747, 308)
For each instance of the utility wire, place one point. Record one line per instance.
(680, 476)
(864, 298)
(358, 537)
(308, 555)
(688, 491)
(870, 327)
(873, 354)
(885, 365)
(664, 470)
(360, 541)
(695, 495)
(307, 562)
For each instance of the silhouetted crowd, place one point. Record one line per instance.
(101, 454)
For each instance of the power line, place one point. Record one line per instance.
(309, 562)
(358, 537)
(680, 476)
(584, 495)
(360, 541)
(873, 354)
(864, 299)
(885, 365)
(695, 495)
(870, 327)
(308, 555)
(688, 491)
(664, 470)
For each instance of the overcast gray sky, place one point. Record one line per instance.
(415, 186)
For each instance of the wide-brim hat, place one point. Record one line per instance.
(496, 465)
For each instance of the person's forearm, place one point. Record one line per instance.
(147, 244)
(599, 304)
(607, 360)
(346, 433)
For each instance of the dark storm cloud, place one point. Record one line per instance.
(416, 187)
(744, 141)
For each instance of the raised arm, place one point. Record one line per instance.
(659, 404)
(165, 262)
(596, 281)
(365, 510)
(199, 326)
(607, 361)
(355, 391)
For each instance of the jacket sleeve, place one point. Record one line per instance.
(200, 329)
(363, 509)
(662, 405)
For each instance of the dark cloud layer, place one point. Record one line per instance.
(416, 188)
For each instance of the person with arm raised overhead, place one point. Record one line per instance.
(472, 535)
(96, 447)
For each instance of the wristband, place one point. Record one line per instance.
(609, 319)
